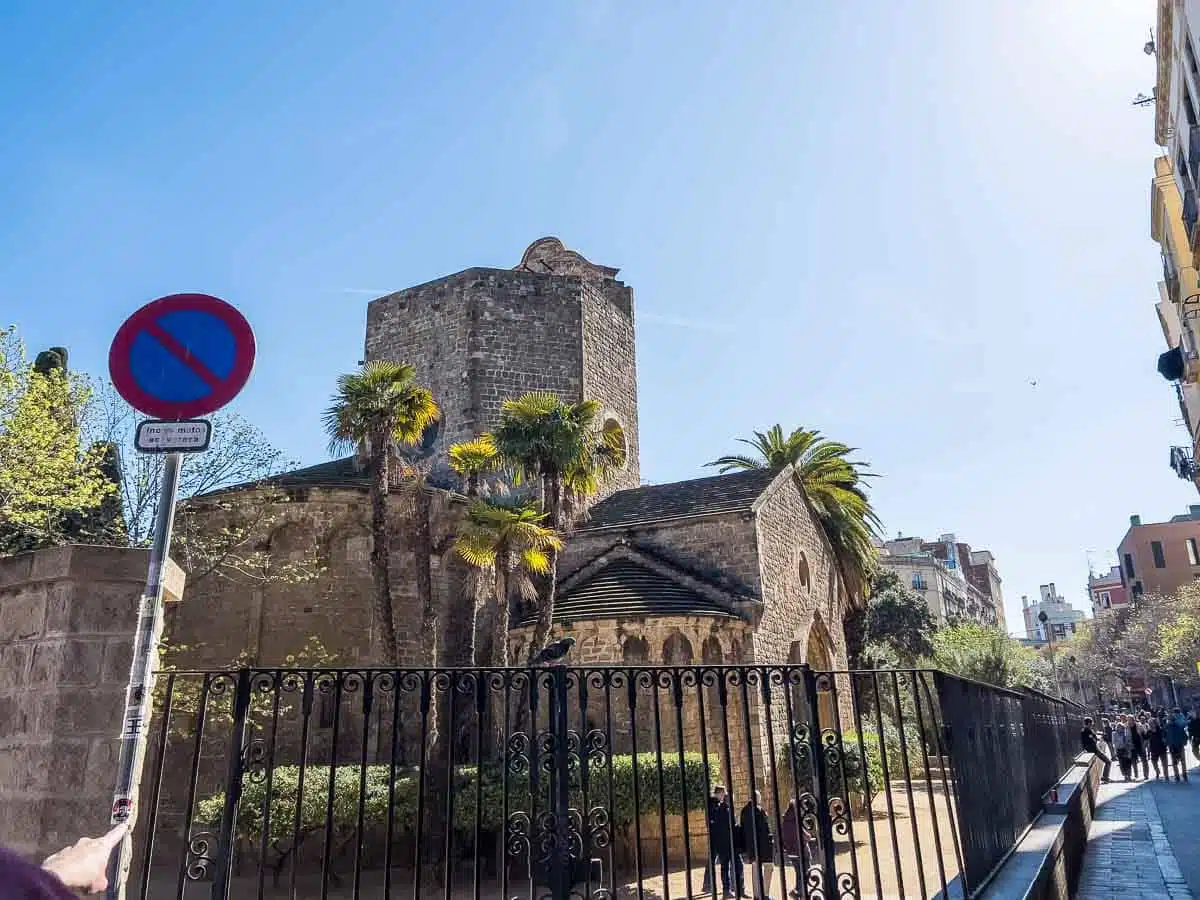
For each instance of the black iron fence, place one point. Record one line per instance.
(589, 782)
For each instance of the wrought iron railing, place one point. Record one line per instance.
(592, 782)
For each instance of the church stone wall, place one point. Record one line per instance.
(483, 336)
(331, 528)
(800, 583)
(610, 368)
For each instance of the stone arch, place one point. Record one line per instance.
(677, 650)
(635, 651)
(819, 654)
(711, 651)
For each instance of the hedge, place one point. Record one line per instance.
(285, 782)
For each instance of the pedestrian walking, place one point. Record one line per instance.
(1089, 740)
(1137, 734)
(759, 849)
(721, 854)
(1122, 744)
(1176, 735)
(1156, 743)
(1193, 729)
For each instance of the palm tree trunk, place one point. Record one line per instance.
(381, 555)
(545, 617)
(500, 639)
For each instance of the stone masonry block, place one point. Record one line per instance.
(21, 823)
(22, 614)
(15, 569)
(118, 658)
(19, 715)
(87, 711)
(63, 820)
(99, 608)
(67, 661)
(14, 665)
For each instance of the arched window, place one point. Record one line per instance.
(805, 574)
(635, 652)
(677, 651)
(711, 652)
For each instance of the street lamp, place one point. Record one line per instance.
(1048, 630)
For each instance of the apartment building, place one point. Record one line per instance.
(1175, 217)
(1107, 591)
(1159, 557)
(1061, 619)
(956, 582)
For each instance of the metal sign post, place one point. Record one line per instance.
(177, 358)
(141, 677)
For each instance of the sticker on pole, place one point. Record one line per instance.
(182, 356)
(188, 436)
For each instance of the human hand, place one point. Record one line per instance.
(84, 865)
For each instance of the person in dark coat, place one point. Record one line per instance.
(1088, 740)
(1137, 734)
(1156, 743)
(793, 838)
(721, 850)
(1193, 730)
(759, 846)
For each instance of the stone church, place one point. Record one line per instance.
(722, 569)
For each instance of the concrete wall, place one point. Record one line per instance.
(67, 618)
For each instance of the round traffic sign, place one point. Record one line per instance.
(182, 356)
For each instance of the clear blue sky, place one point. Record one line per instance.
(881, 221)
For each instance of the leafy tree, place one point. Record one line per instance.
(989, 655)
(472, 460)
(511, 544)
(833, 483)
(898, 626)
(239, 454)
(379, 406)
(49, 482)
(567, 452)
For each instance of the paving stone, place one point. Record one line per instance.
(1128, 853)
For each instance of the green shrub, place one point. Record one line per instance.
(314, 803)
(868, 780)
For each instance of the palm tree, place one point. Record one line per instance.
(833, 483)
(512, 544)
(380, 406)
(563, 449)
(472, 460)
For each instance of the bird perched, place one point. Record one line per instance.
(553, 652)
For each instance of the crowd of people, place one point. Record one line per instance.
(1150, 738)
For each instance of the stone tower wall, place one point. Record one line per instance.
(482, 336)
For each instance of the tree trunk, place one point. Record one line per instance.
(380, 552)
(424, 575)
(500, 639)
(545, 617)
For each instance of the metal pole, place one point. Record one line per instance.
(561, 864)
(137, 694)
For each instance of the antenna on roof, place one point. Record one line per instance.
(1148, 48)
(1144, 100)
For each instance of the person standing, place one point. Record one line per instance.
(759, 846)
(1122, 745)
(1193, 730)
(1089, 741)
(1137, 735)
(1176, 735)
(720, 846)
(790, 838)
(1156, 742)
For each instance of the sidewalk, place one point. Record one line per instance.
(1130, 852)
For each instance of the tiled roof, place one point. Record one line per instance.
(700, 496)
(335, 473)
(625, 589)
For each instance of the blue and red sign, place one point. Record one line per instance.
(182, 356)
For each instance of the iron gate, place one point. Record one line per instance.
(594, 783)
